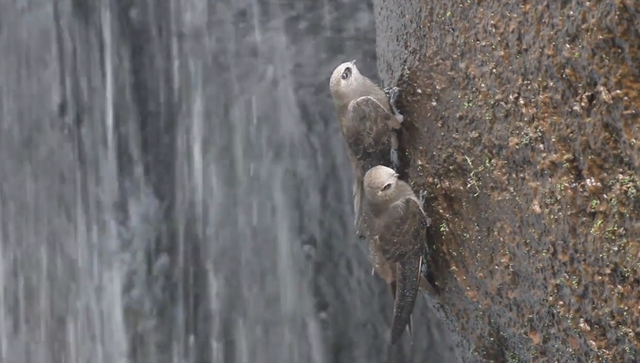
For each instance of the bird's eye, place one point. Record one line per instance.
(347, 73)
(386, 187)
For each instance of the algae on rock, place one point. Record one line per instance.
(521, 120)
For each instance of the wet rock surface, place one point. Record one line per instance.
(522, 121)
(174, 188)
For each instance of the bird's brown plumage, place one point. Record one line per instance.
(367, 123)
(368, 129)
(395, 225)
(369, 134)
(368, 120)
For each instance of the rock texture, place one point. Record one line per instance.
(522, 121)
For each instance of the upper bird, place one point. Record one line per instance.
(368, 117)
(395, 225)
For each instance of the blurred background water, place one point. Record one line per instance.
(173, 187)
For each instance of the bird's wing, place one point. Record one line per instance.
(384, 269)
(395, 336)
(358, 195)
(407, 286)
(368, 132)
(402, 232)
(367, 129)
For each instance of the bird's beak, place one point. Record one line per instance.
(396, 176)
(353, 62)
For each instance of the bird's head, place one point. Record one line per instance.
(345, 83)
(380, 183)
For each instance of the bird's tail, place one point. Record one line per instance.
(392, 287)
(408, 282)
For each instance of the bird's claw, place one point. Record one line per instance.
(392, 94)
(395, 161)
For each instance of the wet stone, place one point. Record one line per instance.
(521, 121)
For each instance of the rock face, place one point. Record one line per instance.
(522, 121)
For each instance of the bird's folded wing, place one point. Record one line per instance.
(368, 132)
(382, 267)
(407, 286)
(402, 230)
(401, 239)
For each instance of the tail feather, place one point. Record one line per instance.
(406, 292)
(392, 287)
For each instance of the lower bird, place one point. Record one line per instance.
(395, 225)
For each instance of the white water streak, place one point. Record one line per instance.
(4, 333)
(111, 302)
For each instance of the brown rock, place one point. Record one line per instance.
(500, 97)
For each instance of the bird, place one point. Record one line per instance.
(395, 225)
(368, 118)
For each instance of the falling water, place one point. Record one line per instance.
(172, 187)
